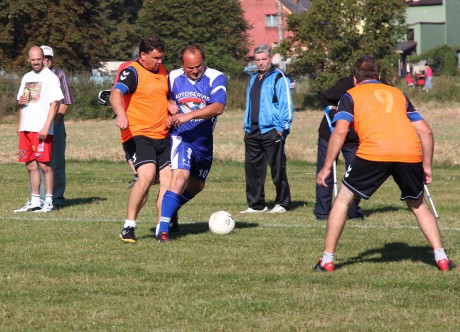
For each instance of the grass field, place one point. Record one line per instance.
(67, 270)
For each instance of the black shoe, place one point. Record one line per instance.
(174, 224)
(163, 237)
(127, 235)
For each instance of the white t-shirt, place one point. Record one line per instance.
(44, 88)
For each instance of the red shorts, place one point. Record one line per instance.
(31, 148)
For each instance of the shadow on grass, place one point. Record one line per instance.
(369, 212)
(83, 200)
(392, 252)
(197, 228)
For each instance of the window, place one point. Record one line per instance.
(271, 20)
(410, 34)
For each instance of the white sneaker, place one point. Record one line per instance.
(47, 207)
(28, 207)
(249, 210)
(278, 209)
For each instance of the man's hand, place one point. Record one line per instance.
(322, 176)
(180, 118)
(121, 121)
(42, 134)
(173, 109)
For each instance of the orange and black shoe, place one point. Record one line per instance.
(445, 264)
(127, 235)
(163, 237)
(328, 267)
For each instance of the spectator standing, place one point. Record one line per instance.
(145, 118)
(330, 98)
(403, 151)
(38, 98)
(267, 122)
(200, 95)
(60, 135)
(428, 78)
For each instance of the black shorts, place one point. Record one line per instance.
(129, 145)
(364, 177)
(145, 150)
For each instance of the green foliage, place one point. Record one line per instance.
(331, 35)
(120, 17)
(218, 25)
(72, 29)
(85, 92)
(442, 59)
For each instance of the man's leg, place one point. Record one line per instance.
(34, 177)
(426, 221)
(255, 171)
(337, 218)
(58, 163)
(354, 211)
(323, 194)
(172, 201)
(430, 229)
(274, 147)
(140, 189)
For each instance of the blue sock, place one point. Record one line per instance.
(169, 206)
(185, 198)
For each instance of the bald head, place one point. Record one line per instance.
(35, 58)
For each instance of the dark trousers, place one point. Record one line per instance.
(260, 148)
(324, 195)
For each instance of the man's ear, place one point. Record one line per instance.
(355, 81)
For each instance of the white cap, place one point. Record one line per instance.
(47, 51)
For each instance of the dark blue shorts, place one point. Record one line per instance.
(195, 158)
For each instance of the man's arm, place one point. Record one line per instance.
(207, 112)
(68, 97)
(49, 120)
(335, 145)
(426, 138)
(116, 101)
(286, 107)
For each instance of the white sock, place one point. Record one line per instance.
(129, 223)
(327, 258)
(439, 254)
(35, 200)
(157, 229)
(49, 199)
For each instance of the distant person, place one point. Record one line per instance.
(267, 122)
(145, 119)
(409, 80)
(394, 141)
(38, 98)
(60, 135)
(428, 78)
(200, 95)
(330, 98)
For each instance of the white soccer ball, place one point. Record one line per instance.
(221, 222)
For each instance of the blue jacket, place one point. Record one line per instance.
(272, 115)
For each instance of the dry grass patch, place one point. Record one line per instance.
(87, 140)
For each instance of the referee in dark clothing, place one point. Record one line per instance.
(323, 202)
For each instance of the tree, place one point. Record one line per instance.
(218, 25)
(73, 29)
(119, 17)
(332, 34)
